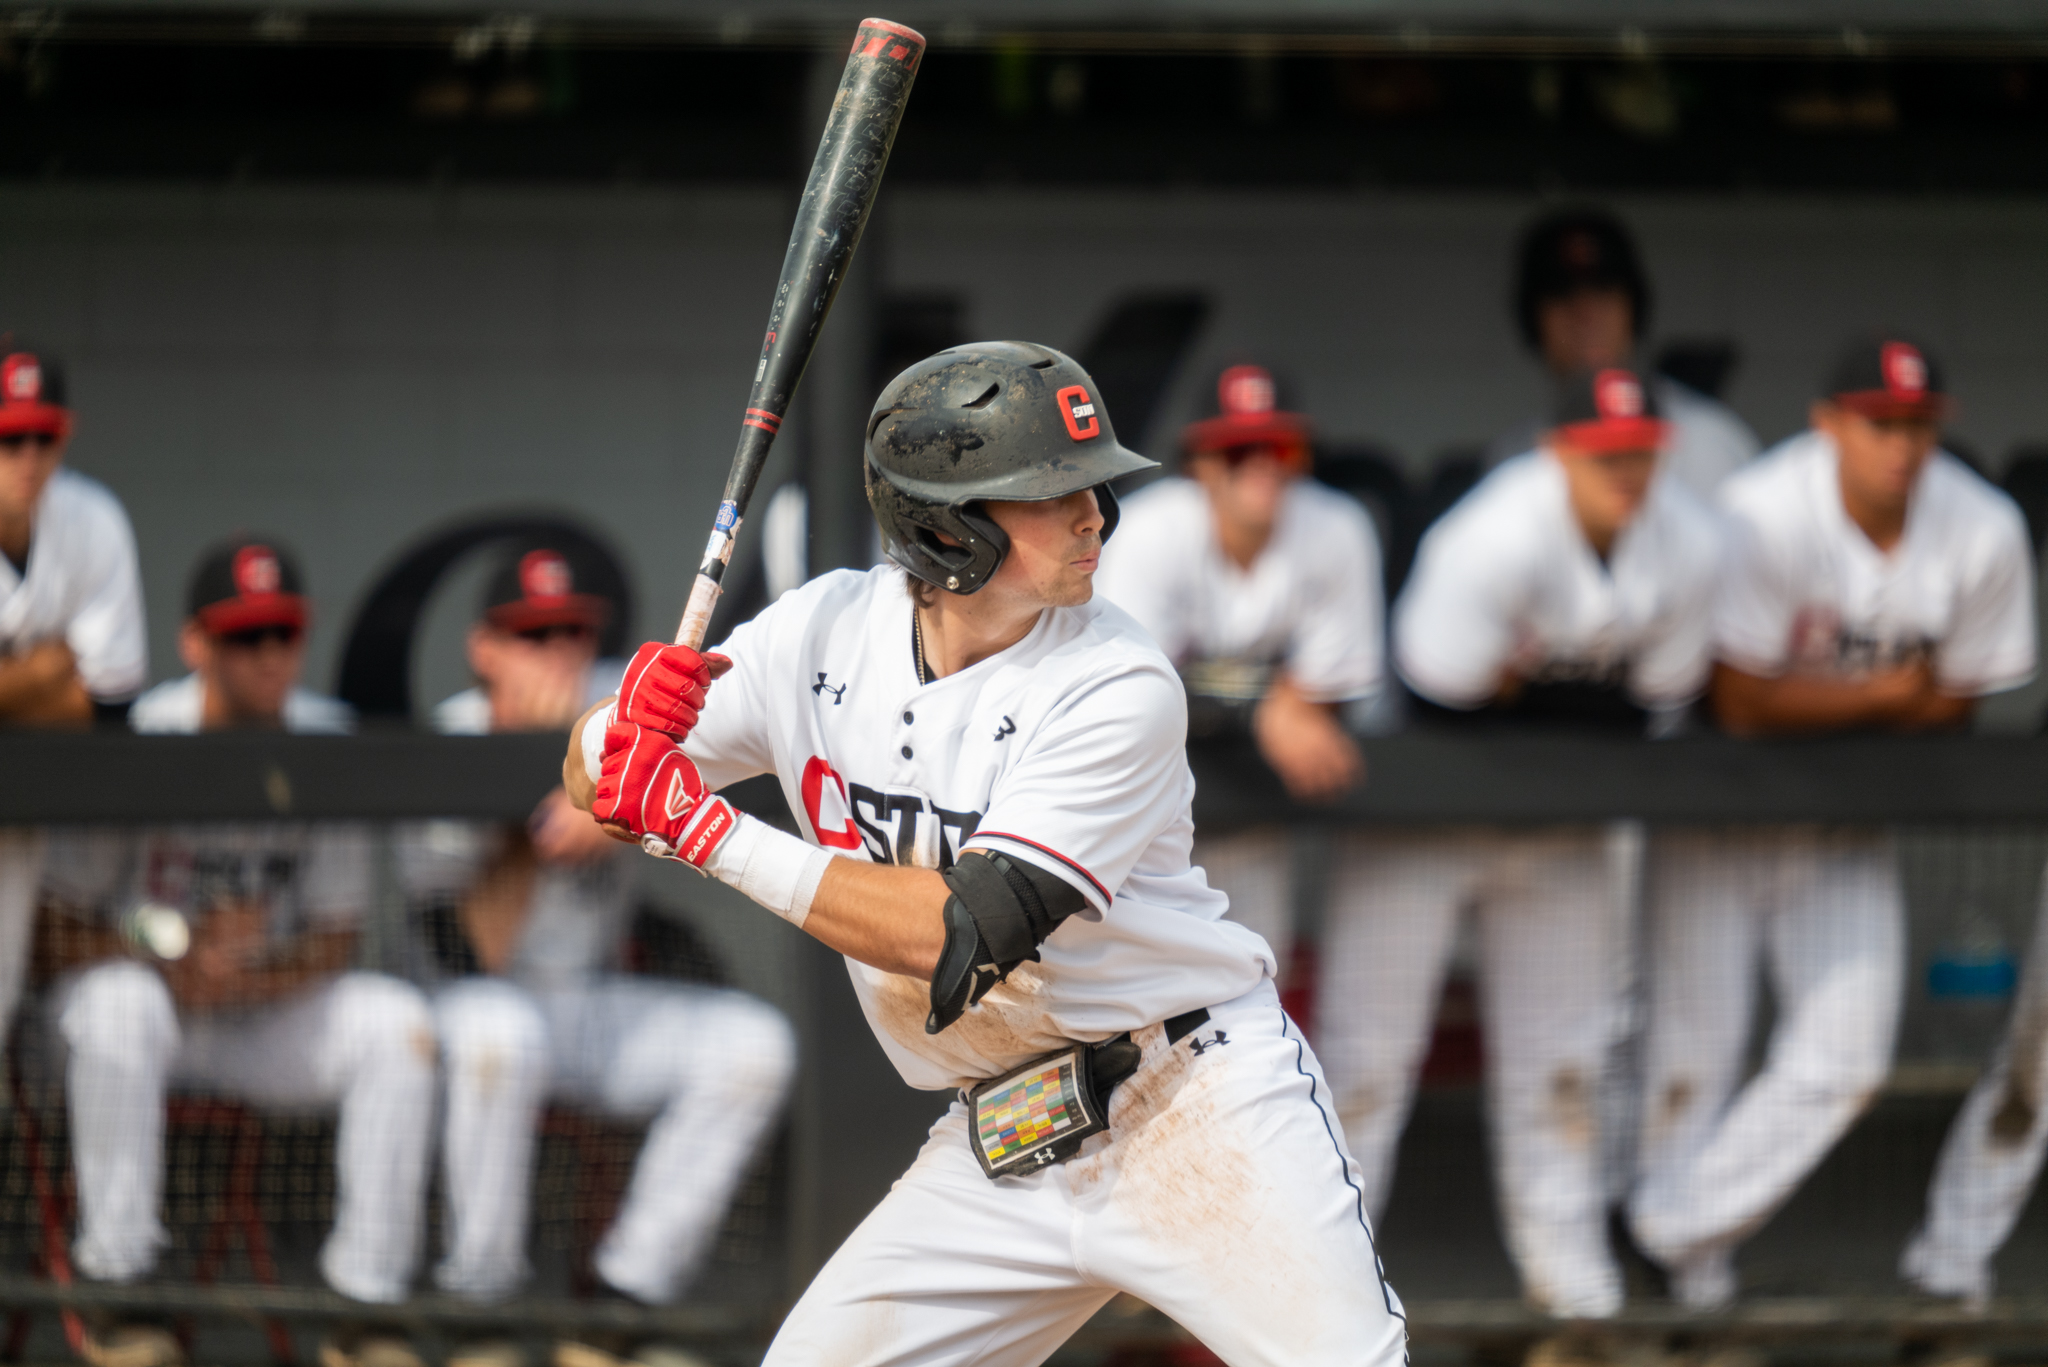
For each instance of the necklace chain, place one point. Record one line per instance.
(917, 643)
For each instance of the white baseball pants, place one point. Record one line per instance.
(711, 1067)
(1222, 1195)
(1552, 939)
(1824, 910)
(21, 871)
(360, 1040)
(1993, 1153)
(1255, 869)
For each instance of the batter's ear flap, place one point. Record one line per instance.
(1106, 504)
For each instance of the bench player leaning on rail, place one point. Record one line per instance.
(72, 640)
(1570, 590)
(1873, 583)
(989, 772)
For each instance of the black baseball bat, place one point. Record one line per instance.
(844, 177)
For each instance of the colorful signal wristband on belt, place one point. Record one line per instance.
(775, 868)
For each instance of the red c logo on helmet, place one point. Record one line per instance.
(1074, 406)
(256, 571)
(545, 574)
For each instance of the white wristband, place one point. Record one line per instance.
(773, 867)
(593, 741)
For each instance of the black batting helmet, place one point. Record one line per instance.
(1003, 421)
(1572, 250)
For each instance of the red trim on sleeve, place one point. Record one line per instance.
(1093, 881)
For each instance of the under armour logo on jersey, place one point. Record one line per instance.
(1074, 406)
(1202, 1046)
(1008, 728)
(679, 800)
(822, 687)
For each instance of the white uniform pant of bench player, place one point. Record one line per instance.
(1552, 935)
(711, 1066)
(1222, 1195)
(1993, 1152)
(21, 870)
(362, 1041)
(1823, 910)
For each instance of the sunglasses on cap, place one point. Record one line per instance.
(15, 441)
(249, 638)
(563, 631)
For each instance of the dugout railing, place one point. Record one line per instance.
(1973, 819)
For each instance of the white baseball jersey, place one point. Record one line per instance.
(81, 587)
(1310, 603)
(1065, 750)
(1806, 591)
(1708, 443)
(177, 705)
(1507, 582)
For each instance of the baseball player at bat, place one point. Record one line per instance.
(987, 768)
(1571, 589)
(1873, 582)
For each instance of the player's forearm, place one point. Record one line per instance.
(884, 915)
(1750, 705)
(42, 688)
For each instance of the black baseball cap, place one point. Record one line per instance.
(1246, 405)
(1573, 250)
(1599, 411)
(1887, 376)
(32, 391)
(246, 583)
(535, 587)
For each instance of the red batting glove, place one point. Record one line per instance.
(664, 686)
(651, 788)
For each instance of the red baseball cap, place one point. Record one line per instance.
(244, 584)
(1888, 377)
(31, 393)
(536, 589)
(1600, 411)
(1244, 409)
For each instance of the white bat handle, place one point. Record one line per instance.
(697, 616)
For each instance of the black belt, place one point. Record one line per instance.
(1180, 1027)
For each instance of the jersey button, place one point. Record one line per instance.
(908, 719)
(906, 752)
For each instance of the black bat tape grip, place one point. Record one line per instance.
(841, 190)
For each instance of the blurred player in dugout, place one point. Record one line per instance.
(1583, 303)
(1873, 583)
(72, 640)
(1263, 588)
(523, 931)
(1571, 591)
(218, 958)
